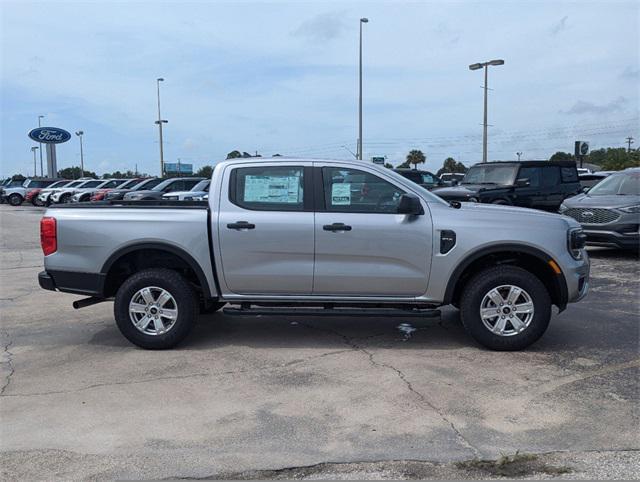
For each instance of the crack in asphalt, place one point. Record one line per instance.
(400, 374)
(9, 363)
(176, 377)
(17, 297)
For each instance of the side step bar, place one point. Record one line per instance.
(371, 312)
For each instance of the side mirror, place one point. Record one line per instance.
(455, 182)
(585, 189)
(410, 204)
(523, 183)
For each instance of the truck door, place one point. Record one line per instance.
(552, 187)
(265, 228)
(529, 196)
(362, 247)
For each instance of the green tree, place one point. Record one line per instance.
(234, 155)
(75, 173)
(451, 165)
(204, 171)
(18, 177)
(388, 165)
(416, 157)
(562, 156)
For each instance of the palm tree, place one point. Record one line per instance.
(416, 157)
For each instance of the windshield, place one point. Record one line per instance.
(490, 174)
(59, 184)
(623, 184)
(201, 186)
(147, 184)
(163, 184)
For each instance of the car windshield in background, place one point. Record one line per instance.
(619, 184)
(128, 184)
(92, 184)
(201, 186)
(162, 185)
(490, 174)
(146, 184)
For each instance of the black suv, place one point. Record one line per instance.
(530, 184)
(425, 179)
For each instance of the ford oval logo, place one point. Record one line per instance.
(49, 135)
(587, 214)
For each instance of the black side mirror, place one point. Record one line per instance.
(454, 182)
(410, 204)
(523, 183)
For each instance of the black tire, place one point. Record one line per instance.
(210, 307)
(185, 299)
(500, 201)
(64, 199)
(35, 201)
(488, 279)
(15, 199)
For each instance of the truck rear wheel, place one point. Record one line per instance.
(155, 308)
(505, 308)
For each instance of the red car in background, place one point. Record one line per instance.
(101, 193)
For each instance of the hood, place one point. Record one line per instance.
(463, 190)
(498, 209)
(145, 193)
(609, 201)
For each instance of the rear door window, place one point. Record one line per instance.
(569, 174)
(550, 176)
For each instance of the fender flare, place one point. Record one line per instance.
(179, 252)
(560, 284)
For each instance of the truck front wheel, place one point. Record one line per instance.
(15, 199)
(505, 308)
(155, 308)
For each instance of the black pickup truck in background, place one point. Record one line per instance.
(531, 184)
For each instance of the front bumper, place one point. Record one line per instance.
(624, 239)
(577, 278)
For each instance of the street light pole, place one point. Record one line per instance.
(477, 66)
(518, 154)
(80, 134)
(34, 149)
(362, 20)
(40, 117)
(160, 122)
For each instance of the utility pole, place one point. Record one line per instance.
(362, 20)
(478, 66)
(80, 134)
(629, 142)
(160, 121)
(34, 149)
(40, 117)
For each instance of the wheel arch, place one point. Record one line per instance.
(530, 258)
(153, 254)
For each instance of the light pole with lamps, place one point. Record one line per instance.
(34, 149)
(362, 20)
(80, 134)
(40, 117)
(478, 66)
(160, 121)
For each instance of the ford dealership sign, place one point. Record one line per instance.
(49, 135)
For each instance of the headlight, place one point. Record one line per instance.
(563, 208)
(576, 241)
(631, 209)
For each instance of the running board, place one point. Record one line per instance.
(371, 312)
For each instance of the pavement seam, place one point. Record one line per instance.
(349, 341)
(9, 363)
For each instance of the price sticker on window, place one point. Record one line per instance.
(341, 194)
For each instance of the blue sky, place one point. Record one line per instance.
(281, 77)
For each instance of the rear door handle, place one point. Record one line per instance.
(241, 225)
(336, 227)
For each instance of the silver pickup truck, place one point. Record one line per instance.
(286, 237)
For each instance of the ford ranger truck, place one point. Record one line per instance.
(291, 237)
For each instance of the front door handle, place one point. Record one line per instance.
(336, 227)
(241, 225)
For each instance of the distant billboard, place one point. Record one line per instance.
(178, 168)
(378, 160)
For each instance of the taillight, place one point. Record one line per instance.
(48, 235)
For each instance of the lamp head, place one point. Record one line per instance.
(475, 66)
(496, 62)
(364, 20)
(79, 133)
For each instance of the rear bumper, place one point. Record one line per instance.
(91, 284)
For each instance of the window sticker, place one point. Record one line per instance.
(272, 189)
(341, 194)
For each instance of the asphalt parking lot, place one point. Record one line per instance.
(316, 398)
